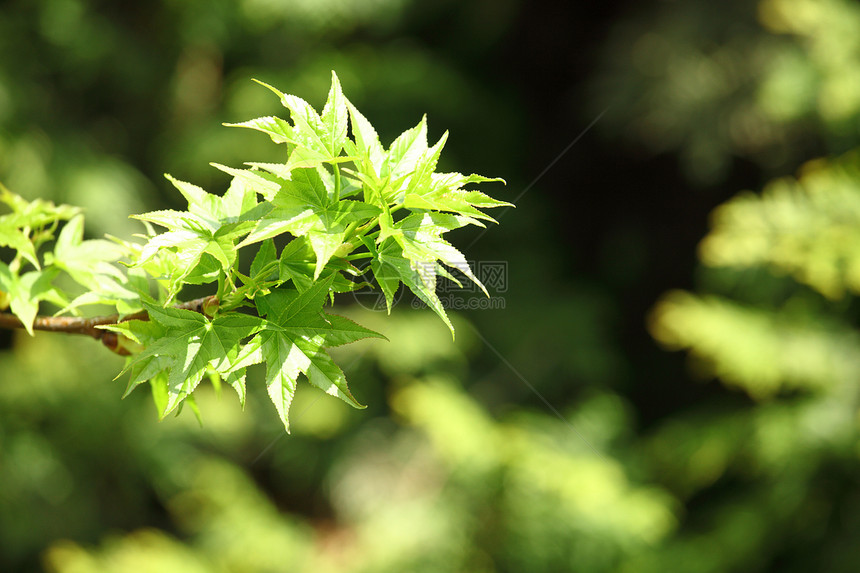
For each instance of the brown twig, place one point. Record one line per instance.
(87, 326)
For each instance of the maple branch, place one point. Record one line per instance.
(87, 326)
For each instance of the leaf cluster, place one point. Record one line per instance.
(339, 197)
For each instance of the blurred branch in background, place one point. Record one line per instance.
(774, 82)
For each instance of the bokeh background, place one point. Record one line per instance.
(671, 384)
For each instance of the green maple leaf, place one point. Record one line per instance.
(409, 253)
(88, 262)
(24, 229)
(219, 211)
(292, 342)
(298, 264)
(279, 130)
(390, 267)
(406, 151)
(263, 276)
(444, 192)
(34, 214)
(211, 226)
(12, 236)
(420, 176)
(266, 260)
(256, 181)
(420, 237)
(185, 344)
(385, 175)
(304, 207)
(315, 138)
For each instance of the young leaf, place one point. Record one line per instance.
(390, 267)
(406, 150)
(420, 238)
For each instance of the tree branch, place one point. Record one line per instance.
(87, 326)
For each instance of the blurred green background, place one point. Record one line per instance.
(559, 432)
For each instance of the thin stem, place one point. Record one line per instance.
(336, 182)
(364, 228)
(221, 284)
(349, 229)
(358, 256)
